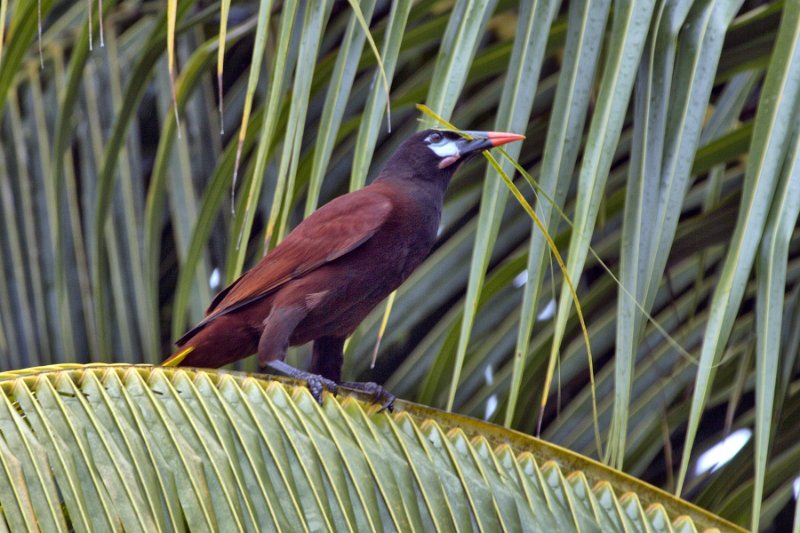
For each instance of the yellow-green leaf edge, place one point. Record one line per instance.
(572, 467)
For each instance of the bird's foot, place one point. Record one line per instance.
(315, 383)
(378, 393)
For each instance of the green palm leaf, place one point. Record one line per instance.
(141, 448)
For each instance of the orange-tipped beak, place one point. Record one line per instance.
(499, 138)
(478, 142)
(483, 140)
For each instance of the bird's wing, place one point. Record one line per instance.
(330, 232)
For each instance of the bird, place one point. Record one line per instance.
(333, 268)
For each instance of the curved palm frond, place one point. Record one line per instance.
(144, 449)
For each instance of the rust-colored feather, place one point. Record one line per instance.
(330, 232)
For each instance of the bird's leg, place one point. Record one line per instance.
(274, 342)
(314, 382)
(328, 357)
(327, 361)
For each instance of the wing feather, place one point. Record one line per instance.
(329, 233)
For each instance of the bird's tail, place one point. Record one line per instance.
(176, 358)
(212, 348)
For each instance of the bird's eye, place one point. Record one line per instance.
(435, 137)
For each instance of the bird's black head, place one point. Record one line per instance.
(434, 155)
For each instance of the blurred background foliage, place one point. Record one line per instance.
(665, 131)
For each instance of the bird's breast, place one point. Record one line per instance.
(410, 236)
(358, 281)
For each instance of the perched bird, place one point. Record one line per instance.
(321, 281)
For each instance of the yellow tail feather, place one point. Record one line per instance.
(176, 359)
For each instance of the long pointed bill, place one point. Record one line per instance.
(497, 138)
(481, 140)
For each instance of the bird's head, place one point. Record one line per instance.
(435, 155)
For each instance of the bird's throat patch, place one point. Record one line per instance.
(449, 160)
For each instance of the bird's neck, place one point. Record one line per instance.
(422, 187)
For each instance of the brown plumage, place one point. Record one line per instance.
(335, 266)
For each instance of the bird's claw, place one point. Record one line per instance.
(316, 384)
(378, 393)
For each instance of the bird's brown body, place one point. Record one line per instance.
(334, 295)
(335, 266)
